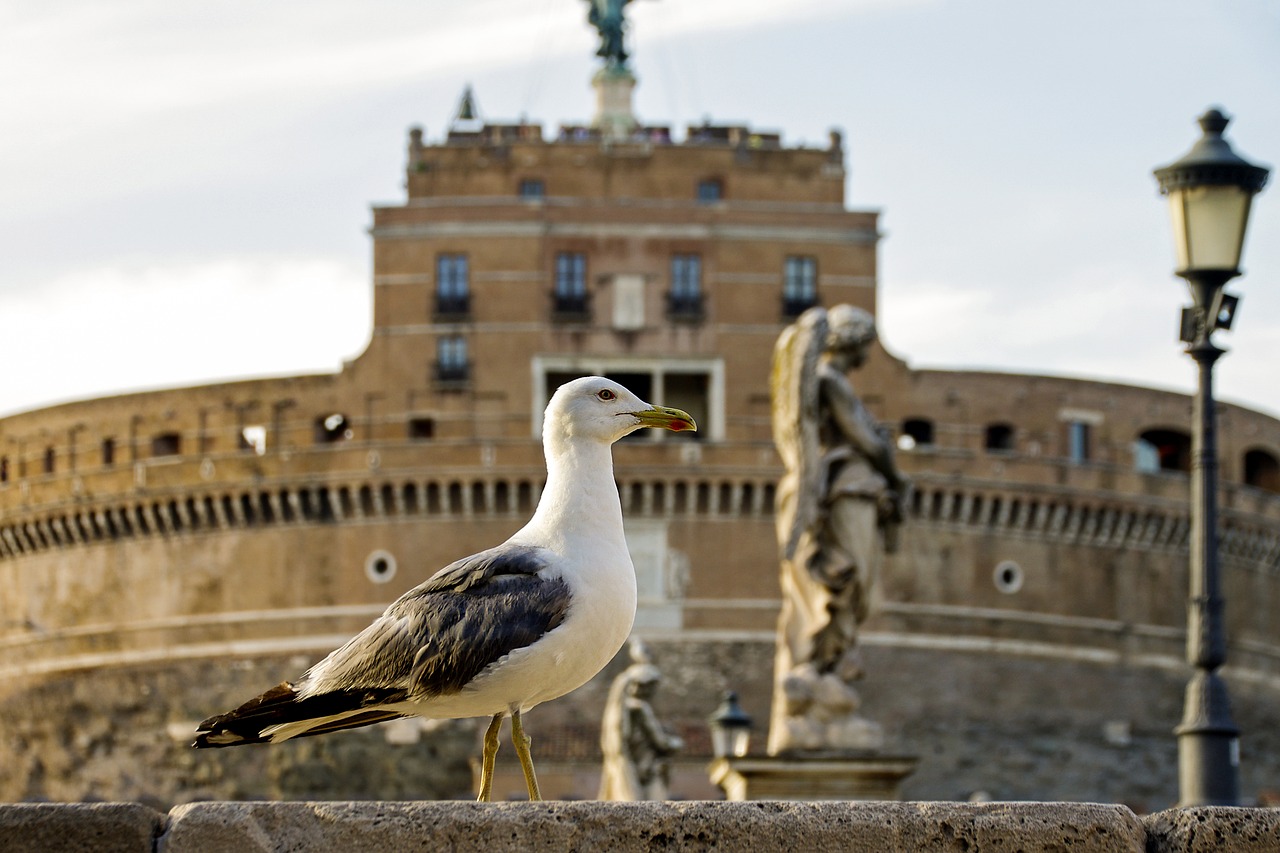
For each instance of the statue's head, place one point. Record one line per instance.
(643, 679)
(850, 331)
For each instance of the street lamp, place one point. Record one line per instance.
(730, 728)
(1210, 190)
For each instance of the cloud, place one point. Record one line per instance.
(1065, 325)
(132, 327)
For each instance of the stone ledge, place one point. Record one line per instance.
(859, 827)
(100, 827)
(1202, 830)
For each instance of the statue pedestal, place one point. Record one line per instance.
(813, 777)
(614, 117)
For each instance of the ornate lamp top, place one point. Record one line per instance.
(1211, 161)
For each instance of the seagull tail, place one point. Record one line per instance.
(280, 714)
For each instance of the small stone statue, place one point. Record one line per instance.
(606, 16)
(637, 747)
(838, 505)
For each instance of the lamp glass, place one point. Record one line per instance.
(1209, 225)
(730, 741)
(719, 741)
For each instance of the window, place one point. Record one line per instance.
(333, 428)
(50, 460)
(253, 438)
(710, 190)
(1163, 450)
(4, 469)
(532, 188)
(684, 300)
(998, 437)
(166, 444)
(421, 429)
(380, 566)
(1079, 439)
(108, 451)
(1008, 577)
(1261, 470)
(917, 432)
(570, 298)
(694, 385)
(453, 290)
(692, 393)
(1146, 458)
(799, 285)
(451, 359)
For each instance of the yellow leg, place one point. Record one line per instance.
(520, 741)
(489, 756)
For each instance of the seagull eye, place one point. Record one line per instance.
(606, 395)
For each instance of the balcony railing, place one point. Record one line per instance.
(453, 307)
(685, 308)
(793, 306)
(452, 375)
(570, 307)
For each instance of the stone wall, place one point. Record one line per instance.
(1007, 726)
(125, 734)
(625, 827)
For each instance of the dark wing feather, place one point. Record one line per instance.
(474, 628)
(431, 641)
(281, 705)
(462, 619)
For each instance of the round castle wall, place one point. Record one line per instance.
(141, 598)
(1016, 727)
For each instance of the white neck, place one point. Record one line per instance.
(580, 499)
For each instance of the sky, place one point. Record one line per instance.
(185, 187)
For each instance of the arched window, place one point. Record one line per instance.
(166, 444)
(332, 428)
(998, 437)
(1261, 470)
(1163, 450)
(916, 432)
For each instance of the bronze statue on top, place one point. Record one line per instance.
(606, 16)
(838, 506)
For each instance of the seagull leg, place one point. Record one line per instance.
(521, 741)
(489, 756)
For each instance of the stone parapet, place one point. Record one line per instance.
(100, 827)
(621, 827)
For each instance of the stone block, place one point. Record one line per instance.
(624, 827)
(1203, 829)
(78, 827)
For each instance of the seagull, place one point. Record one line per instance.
(501, 631)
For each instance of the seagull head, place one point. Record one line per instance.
(602, 410)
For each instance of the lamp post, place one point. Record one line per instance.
(1210, 190)
(730, 728)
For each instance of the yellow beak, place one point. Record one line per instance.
(661, 417)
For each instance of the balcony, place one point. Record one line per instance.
(450, 376)
(452, 308)
(793, 306)
(570, 307)
(685, 308)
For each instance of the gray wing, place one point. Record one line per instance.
(440, 635)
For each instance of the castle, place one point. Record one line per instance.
(164, 554)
